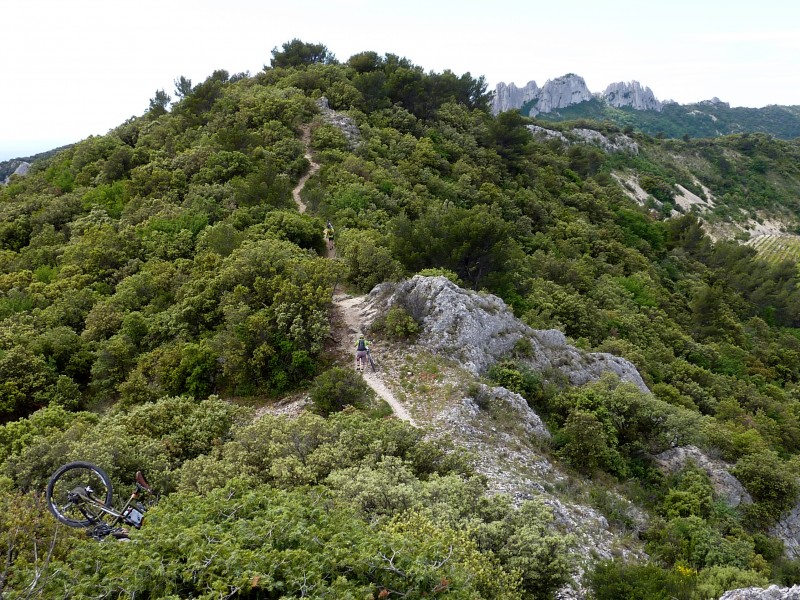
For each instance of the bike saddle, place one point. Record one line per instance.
(142, 482)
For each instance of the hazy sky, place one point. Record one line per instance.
(74, 68)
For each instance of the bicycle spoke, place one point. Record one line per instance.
(75, 493)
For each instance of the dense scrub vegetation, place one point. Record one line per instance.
(148, 272)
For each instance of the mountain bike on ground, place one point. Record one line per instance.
(79, 494)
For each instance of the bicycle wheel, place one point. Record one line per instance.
(66, 486)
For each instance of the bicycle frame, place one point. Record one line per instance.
(86, 500)
(129, 514)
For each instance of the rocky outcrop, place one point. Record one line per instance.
(726, 486)
(619, 143)
(509, 97)
(773, 592)
(632, 94)
(788, 531)
(543, 132)
(477, 330)
(560, 93)
(21, 170)
(342, 122)
(525, 417)
(715, 102)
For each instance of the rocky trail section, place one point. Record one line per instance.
(351, 309)
(462, 334)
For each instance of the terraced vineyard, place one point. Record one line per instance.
(777, 247)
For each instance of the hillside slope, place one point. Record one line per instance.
(159, 282)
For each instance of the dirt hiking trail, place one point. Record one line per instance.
(306, 139)
(348, 308)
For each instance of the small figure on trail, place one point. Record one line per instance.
(362, 348)
(329, 235)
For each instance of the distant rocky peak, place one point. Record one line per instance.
(632, 94)
(561, 92)
(715, 102)
(570, 89)
(509, 97)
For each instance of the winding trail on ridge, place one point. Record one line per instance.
(349, 308)
(306, 139)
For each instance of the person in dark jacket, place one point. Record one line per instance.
(362, 347)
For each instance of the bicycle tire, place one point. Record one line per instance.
(65, 479)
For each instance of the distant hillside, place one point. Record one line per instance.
(701, 120)
(7, 167)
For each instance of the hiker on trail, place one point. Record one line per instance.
(329, 235)
(362, 348)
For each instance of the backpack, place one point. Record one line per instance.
(362, 344)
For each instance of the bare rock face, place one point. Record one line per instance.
(619, 143)
(631, 94)
(726, 486)
(344, 123)
(21, 170)
(525, 416)
(571, 89)
(509, 97)
(773, 592)
(616, 143)
(788, 531)
(544, 133)
(477, 330)
(560, 93)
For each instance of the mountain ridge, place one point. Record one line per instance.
(634, 105)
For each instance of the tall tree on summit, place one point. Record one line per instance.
(298, 53)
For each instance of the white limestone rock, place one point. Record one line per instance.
(560, 93)
(620, 142)
(509, 97)
(341, 121)
(21, 170)
(477, 330)
(726, 486)
(773, 592)
(788, 531)
(543, 132)
(631, 93)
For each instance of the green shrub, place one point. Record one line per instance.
(397, 324)
(438, 272)
(616, 580)
(336, 388)
(771, 483)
